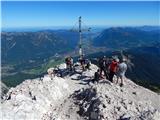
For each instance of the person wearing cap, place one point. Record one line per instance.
(121, 70)
(113, 68)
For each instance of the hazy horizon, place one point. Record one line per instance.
(23, 29)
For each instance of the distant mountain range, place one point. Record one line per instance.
(22, 46)
(143, 43)
(41, 44)
(148, 28)
(122, 38)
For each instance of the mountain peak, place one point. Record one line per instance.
(74, 97)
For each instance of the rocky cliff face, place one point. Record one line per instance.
(74, 97)
(4, 89)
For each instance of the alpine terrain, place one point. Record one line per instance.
(80, 60)
(75, 97)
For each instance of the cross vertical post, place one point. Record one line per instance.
(80, 38)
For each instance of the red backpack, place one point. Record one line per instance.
(113, 66)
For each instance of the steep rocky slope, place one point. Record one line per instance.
(74, 97)
(4, 89)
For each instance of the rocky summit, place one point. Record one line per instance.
(75, 97)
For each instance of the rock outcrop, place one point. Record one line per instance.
(75, 97)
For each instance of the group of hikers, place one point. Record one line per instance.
(111, 67)
(85, 63)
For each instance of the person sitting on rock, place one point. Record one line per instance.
(9, 96)
(88, 64)
(121, 70)
(96, 76)
(51, 73)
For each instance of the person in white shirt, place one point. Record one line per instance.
(122, 68)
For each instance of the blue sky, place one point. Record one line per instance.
(52, 13)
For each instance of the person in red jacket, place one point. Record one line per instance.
(113, 68)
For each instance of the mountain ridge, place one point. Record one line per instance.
(71, 97)
(50, 47)
(121, 38)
